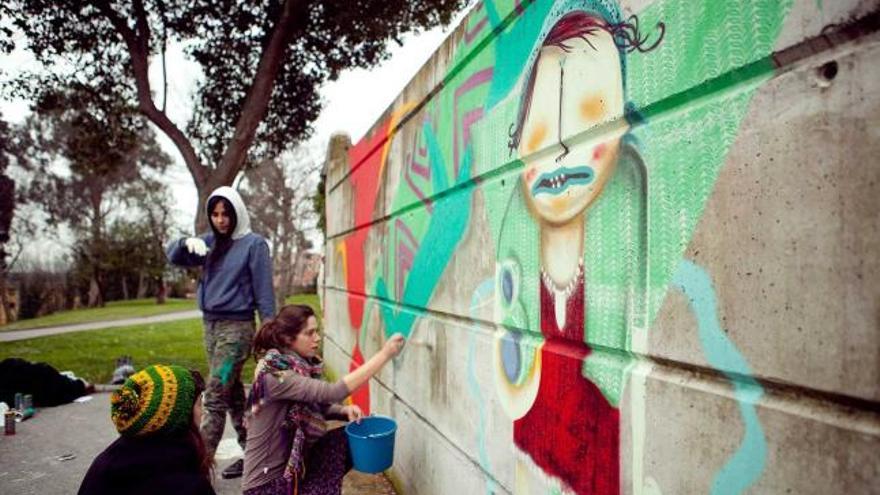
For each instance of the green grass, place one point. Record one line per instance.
(309, 299)
(115, 310)
(92, 354)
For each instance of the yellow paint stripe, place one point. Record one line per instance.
(343, 253)
(396, 116)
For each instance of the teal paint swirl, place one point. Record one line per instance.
(483, 290)
(446, 228)
(747, 464)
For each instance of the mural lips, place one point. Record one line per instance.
(557, 181)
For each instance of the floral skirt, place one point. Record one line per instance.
(328, 460)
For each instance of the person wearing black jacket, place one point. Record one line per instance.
(48, 386)
(160, 450)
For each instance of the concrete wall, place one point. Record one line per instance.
(633, 247)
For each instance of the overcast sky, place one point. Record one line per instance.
(352, 103)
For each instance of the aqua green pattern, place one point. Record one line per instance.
(686, 100)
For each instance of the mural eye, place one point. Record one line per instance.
(510, 356)
(507, 286)
(517, 362)
(507, 282)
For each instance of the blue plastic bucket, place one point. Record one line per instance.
(372, 443)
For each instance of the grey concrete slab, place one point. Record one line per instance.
(30, 461)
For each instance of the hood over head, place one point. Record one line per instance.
(243, 221)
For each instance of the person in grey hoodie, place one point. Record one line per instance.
(236, 281)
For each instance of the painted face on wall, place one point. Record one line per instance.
(577, 86)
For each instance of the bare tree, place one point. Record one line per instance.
(105, 147)
(151, 202)
(279, 198)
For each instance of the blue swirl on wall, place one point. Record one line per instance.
(747, 464)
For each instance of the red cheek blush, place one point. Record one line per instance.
(599, 151)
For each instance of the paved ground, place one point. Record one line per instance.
(51, 452)
(97, 325)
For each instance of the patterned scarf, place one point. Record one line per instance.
(303, 420)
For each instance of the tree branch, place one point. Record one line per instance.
(143, 29)
(138, 50)
(256, 103)
(161, 6)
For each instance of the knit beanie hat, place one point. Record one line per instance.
(158, 399)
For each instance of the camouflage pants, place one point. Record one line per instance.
(228, 345)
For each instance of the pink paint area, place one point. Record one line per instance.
(365, 158)
(361, 396)
(599, 151)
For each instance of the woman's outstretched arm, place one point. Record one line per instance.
(366, 371)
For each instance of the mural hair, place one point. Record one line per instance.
(627, 37)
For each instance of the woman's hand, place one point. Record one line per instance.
(393, 345)
(353, 412)
(364, 372)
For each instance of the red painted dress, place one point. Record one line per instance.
(571, 432)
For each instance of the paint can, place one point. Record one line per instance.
(9, 417)
(27, 407)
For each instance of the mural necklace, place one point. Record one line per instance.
(561, 295)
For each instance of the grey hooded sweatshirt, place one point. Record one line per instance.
(242, 281)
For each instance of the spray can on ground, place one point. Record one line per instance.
(27, 407)
(9, 418)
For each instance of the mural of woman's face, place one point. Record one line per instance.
(574, 90)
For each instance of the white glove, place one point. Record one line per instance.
(196, 246)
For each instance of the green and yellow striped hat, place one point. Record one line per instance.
(158, 399)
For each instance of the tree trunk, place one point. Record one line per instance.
(201, 222)
(297, 269)
(95, 297)
(4, 301)
(125, 288)
(161, 290)
(142, 285)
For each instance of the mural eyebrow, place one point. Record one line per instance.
(512, 141)
(587, 40)
(559, 115)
